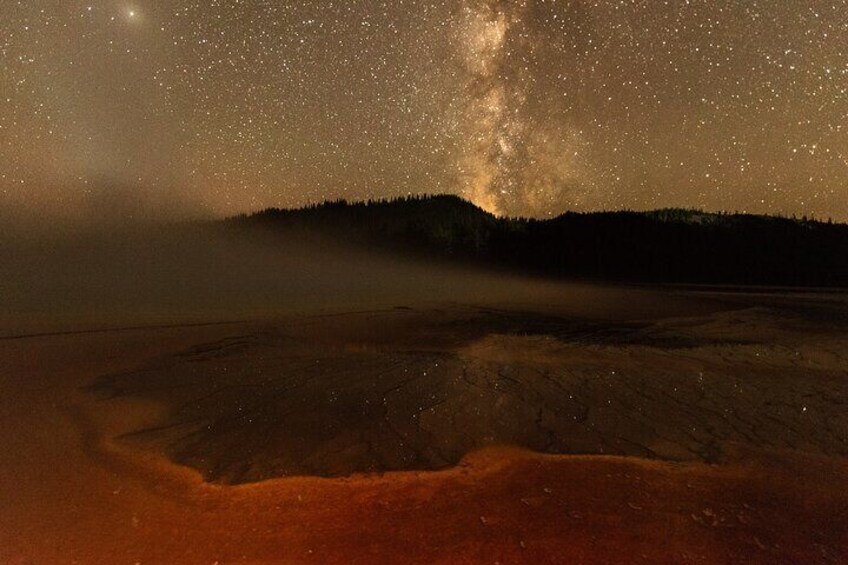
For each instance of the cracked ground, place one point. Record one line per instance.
(419, 389)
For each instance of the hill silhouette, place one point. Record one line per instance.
(670, 245)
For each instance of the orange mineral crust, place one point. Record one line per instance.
(74, 492)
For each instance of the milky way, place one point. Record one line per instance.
(160, 108)
(513, 160)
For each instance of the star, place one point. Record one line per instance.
(524, 107)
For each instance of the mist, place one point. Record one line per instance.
(112, 276)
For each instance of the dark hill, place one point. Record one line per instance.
(680, 246)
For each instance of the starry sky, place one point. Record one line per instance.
(526, 107)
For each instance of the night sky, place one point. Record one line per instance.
(169, 107)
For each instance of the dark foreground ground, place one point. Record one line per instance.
(606, 425)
